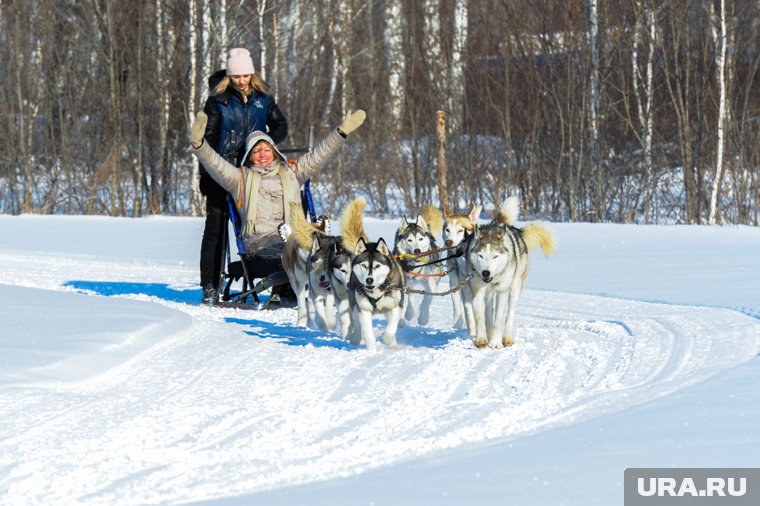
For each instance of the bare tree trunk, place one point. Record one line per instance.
(198, 82)
(162, 121)
(720, 38)
(223, 36)
(261, 39)
(193, 56)
(26, 112)
(645, 18)
(456, 69)
(395, 49)
(139, 170)
(594, 113)
(678, 80)
(343, 48)
(431, 10)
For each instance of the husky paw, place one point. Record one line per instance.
(284, 230)
(480, 342)
(390, 341)
(507, 341)
(495, 344)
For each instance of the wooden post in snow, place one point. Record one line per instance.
(443, 192)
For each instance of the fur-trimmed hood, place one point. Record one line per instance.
(256, 137)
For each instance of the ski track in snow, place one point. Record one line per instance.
(244, 401)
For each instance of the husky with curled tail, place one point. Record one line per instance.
(497, 258)
(299, 236)
(413, 238)
(457, 231)
(329, 270)
(339, 257)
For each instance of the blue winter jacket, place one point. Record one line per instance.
(230, 120)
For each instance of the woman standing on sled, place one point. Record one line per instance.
(266, 182)
(239, 104)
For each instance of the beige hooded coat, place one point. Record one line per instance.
(262, 194)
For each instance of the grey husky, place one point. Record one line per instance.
(497, 255)
(340, 274)
(413, 238)
(329, 270)
(457, 230)
(376, 286)
(322, 291)
(300, 235)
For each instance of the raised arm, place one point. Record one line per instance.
(327, 147)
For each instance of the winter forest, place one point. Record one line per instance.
(631, 111)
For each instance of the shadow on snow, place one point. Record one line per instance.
(413, 337)
(160, 290)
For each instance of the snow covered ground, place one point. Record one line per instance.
(636, 346)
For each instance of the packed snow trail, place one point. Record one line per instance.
(239, 401)
(182, 403)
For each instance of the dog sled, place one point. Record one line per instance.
(255, 275)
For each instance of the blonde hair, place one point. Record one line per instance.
(257, 84)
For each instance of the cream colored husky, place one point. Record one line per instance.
(497, 256)
(295, 257)
(457, 229)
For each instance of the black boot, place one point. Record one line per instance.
(285, 295)
(210, 295)
(272, 303)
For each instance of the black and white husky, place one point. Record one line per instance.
(497, 257)
(413, 238)
(376, 286)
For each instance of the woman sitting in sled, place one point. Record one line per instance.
(266, 182)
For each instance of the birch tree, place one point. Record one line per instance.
(260, 12)
(433, 51)
(396, 60)
(594, 100)
(720, 36)
(456, 67)
(163, 99)
(643, 92)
